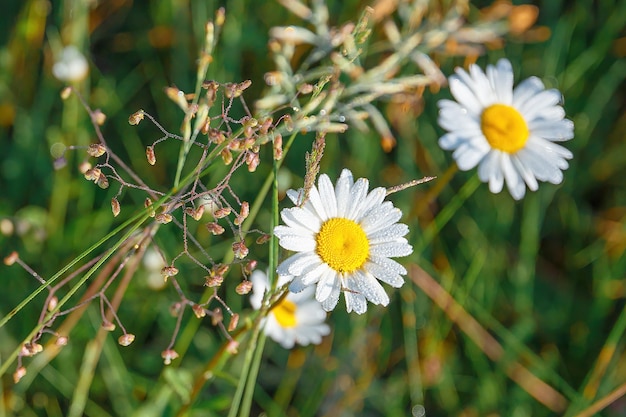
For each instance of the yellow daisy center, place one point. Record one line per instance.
(342, 244)
(285, 313)
(504, 127)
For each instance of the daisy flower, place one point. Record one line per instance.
(71, 65)
(509, 133)
(297, 318)
(344, 237)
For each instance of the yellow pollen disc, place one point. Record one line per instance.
(285, 313)
(342, 244)
(504, 127)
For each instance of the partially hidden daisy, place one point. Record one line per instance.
(509, 133)
(344, 238)
(297, 318)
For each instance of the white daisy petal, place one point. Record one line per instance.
(295, 196)
(519, 155)
(344, 237)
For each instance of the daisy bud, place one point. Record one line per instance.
(168, 356)
(115, 207)
(126, 339)
(61, 341)
(53, 303)
(96, 150)
(19, 374)
(217, 317)
(150, 155)
(136, 117)
(244, 287)
(169, 271)
(214, 228)
(163, 218)
(250, 266)
(102, 182)
(232, 347)
(98, 117)
(66, 92)
(234, 320)
(227, 157)
(148, 204)
(11, 258)
(263, 239)
(278, 147)
(198, 310)
(240, 249)
(83, 167)
(221, 212)
(108, 326)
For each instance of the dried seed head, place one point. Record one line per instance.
(66, 92)
(163, 218)
(234, 320)
(198, 310)
(220, 269)
(265, 125)
(126, 339)
(278, 147)
(150, 156)
(244, 287)
(52, 303)
(98, 117)
(169, 271)
(240, 249)
(245, 209)
(250, 266)
(216, 136)
(31, 349)
(115, 207)
(232, 347)
(136, 117)
(83, 167)
(11, 258)
(108, 326)
(19, 374)
(214, 228)
(227, 157)
(62, 340)
(213, 280)
(96, 150)
(216, 316)
(168, 356)
(221, 212)
(198, 212)
(253, 160)
(263, 239)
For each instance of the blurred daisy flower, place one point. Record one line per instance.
(509, 133)
(70, 65)
(344, 237)
(297, 318)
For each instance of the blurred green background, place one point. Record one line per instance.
(546, 276)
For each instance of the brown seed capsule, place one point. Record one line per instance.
(214, 228)
(175, 309)
(227, 157)
(250, 266)
(244, 287)
(198, 213)
(150, 156)
(168, 356)
(263, 239)
(98, 117)
(213, 281)
(52, 303)
(108, 326)
(11, 258)
(61, 340)
(136, 117)
(198, 310)
(126, 339)
(115, 207)
(96, 150)
(83, 167)
(278, 147)
(148, 204)
(221, 212)
(240, 249)
(253, 160)
(93, 174)
(234, 320)
(103, 182)
(216, 316)
(19, 374)
(232, 347)
(169, 271)
(163, 218)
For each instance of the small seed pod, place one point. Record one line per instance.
(253, 160)
(115, 207)
(244, 287)
(278, 147)
(136, 117)
(169, 271)
(52, 303)
(103, 181)
(217, 317)
(168, 356)
(61, 340)
(150, 156)
(93, 174)
(263, 239)
(163, 218)
(108, 326)
(11, 258)
(83, 167)
(96, 150)
(148, 204)
(19, 374)
(214, 228)
(227, 156)
(98, 117)
(213, 281)
(126, 339)
(250, 266)
(66, 92)
(221, 212)
(198, 213)
(198, 310)
(234, 320)
(232, 347)
(240, 249)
